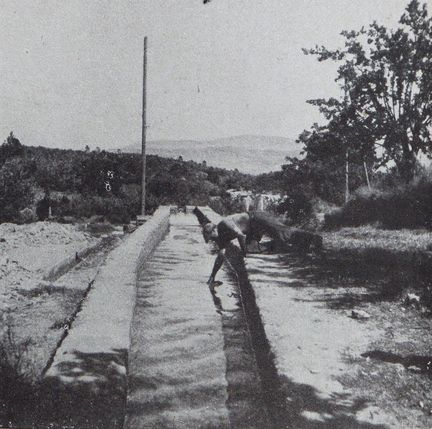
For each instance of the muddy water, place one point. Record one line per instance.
(191, 363)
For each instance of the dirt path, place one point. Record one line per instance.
(336, 371)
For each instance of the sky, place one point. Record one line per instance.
(71, 70)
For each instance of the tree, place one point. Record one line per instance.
(10, 148)
(386, 76)
(322, 171)
(15, 188)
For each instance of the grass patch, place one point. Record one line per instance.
(368, 237)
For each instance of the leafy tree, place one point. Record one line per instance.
(296, 206)
(15, 188)
(322, 171)
(10, 148)
(386, 76)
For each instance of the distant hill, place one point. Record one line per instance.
(249, 154)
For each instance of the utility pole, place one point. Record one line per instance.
(144, 126)
(367, 175)
(347, 193)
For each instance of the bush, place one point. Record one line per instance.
(297, 208)
(406, 207)
(116, 210)
(226, 205)
(15, 189)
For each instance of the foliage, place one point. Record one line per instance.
(321, 173)
(296, 206)
(10, 148)
(84, 183)
(273, 181)
(15, 188)
(386, 76)
(226, 204)
(115, 209)
(409, 206)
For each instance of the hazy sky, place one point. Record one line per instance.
(71, 70)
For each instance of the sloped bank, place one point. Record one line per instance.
(85, 386)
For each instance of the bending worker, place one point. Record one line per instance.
(249, 227)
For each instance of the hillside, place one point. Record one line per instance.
(84, 183)
(249, 154)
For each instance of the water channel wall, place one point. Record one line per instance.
(86, 384)
(69, 262)
(265, 359)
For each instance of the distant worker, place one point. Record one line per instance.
(252, 226)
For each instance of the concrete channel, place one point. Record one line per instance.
(191, 363)
(153, 348)
(85, 384)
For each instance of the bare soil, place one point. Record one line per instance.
(37, 312)
(374, 270)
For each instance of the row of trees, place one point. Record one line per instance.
(384, 114)
(83, 183)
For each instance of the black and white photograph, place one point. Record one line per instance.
(215, 214)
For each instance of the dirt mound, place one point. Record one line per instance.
(40, 233)
(27, 251)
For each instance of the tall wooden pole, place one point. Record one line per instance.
(144, 126)
(347, 193)
(367, 175)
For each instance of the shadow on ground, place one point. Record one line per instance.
(305, 409)
(290, 404)
(423, 364)
(92, 396)
(353, 277)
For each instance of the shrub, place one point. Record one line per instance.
(15, 189)
(405, 207)
(297, 208)
(115, 209)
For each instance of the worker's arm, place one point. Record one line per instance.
(241, 237)
(217, 264)
(242, 242)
